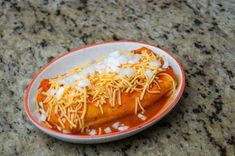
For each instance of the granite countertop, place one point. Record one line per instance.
(201, 34)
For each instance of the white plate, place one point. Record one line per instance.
(83, 55)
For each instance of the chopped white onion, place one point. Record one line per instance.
(142, 117)
(134, 59)
(59, 92)
(92, 132)
(76, 76)
(107, 130)
(123, 59)
(84, 83)
(149, 73)
(89, 70)
(123, 128)
(43, 117)
(69, 80)
(116, 125)
(113, 62)
(128, 72)
(99, 67)
(115, 69)
(51, 91)
(155, 64)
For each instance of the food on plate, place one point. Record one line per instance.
(113, 93)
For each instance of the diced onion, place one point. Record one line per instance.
(142, 117)
(59, 92)
(155, 64)
(43, 117)
(84, 83)
(149, 73)
(107, 130)
(92, 132)
(116, 125)
(123, 128)
(51, 92)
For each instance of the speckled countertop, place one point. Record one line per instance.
(201, 34)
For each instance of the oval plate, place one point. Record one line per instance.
(83, 55)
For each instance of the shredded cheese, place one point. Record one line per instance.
(119, 97)
(48, 125)
(85, 105)
(139, 104)
(100, 131)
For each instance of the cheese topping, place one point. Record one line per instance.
(104, 80)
